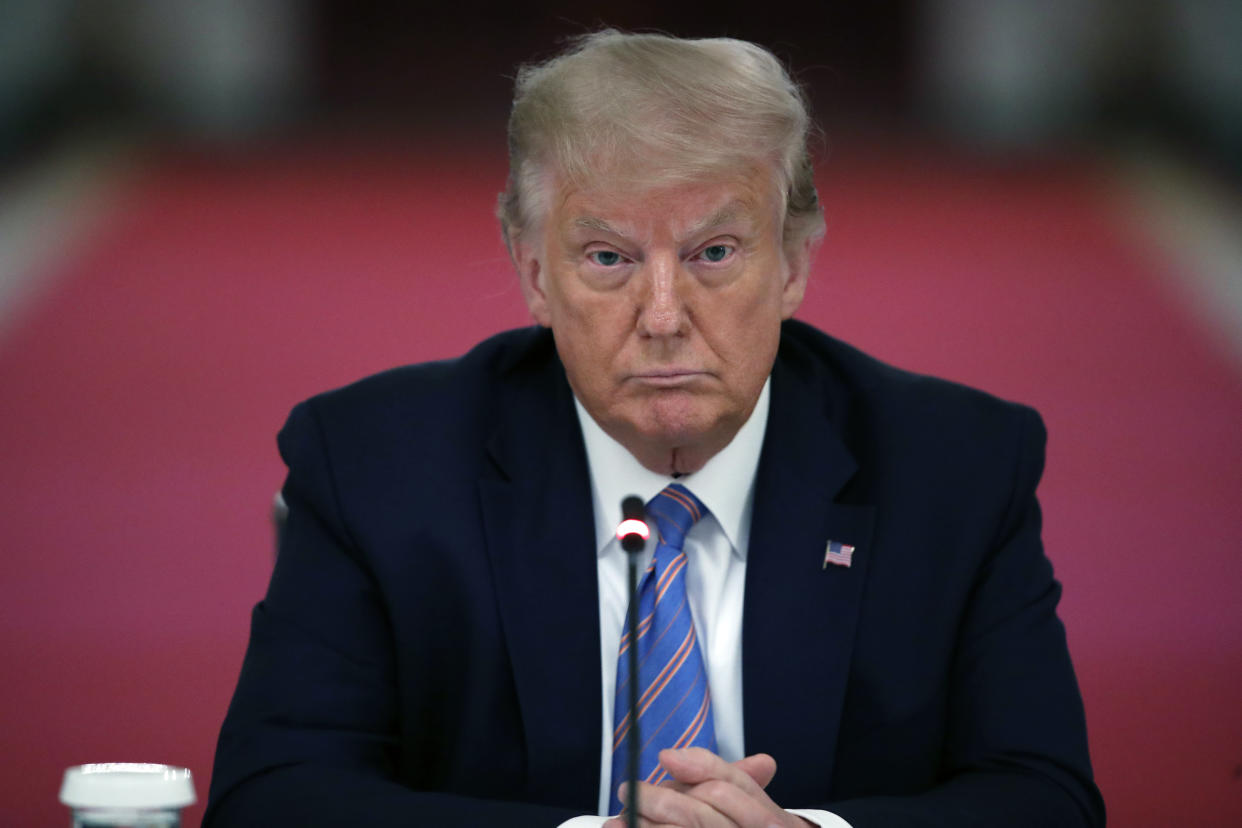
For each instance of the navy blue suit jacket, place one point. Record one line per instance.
(428, 650)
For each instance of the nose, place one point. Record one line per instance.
(662, 311)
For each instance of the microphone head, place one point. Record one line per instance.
(633, 530)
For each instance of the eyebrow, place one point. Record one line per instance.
(734, 210)
(730, 212)
(593, 223)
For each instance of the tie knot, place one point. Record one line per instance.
(675, 510)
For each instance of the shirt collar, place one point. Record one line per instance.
(725, 484)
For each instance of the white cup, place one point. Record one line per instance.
(130, 794)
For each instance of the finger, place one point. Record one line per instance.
(623, 788)
(739, 807)
(693, 766)
(660, 805)
(621, 822)
(668, 782)
(759, 767)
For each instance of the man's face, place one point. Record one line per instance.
(666, 307)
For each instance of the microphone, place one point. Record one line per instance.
(633, 530)
(633, 533)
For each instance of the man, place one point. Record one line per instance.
(848, 581)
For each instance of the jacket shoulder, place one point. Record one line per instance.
(862, 388)
(414, 413)
(409, 387)
(924, 431)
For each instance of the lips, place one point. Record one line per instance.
(669, 377)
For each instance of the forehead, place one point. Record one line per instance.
(612, 204)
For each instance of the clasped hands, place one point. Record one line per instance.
(705, 791)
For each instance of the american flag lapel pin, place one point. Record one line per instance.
(838, 554)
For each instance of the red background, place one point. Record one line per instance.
(141, 393)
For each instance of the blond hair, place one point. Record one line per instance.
(653, 109)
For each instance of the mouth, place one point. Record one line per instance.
(669, 377)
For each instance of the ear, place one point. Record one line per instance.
(530, 276)
(798, 264)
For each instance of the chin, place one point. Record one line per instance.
(679, 423)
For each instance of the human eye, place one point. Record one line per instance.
(716, 253)
(605, 258)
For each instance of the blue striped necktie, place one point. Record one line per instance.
(674, 702)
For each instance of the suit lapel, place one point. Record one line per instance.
(799, 617)
(538, 520)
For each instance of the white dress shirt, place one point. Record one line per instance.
(715, 548)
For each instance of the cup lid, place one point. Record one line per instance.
(127, 785)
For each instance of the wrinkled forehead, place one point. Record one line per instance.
(650, 167)
(638, 208)
(698, 193)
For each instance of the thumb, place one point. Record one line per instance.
(759, 767)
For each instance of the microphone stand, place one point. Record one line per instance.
(633, 533)
(631, 791)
